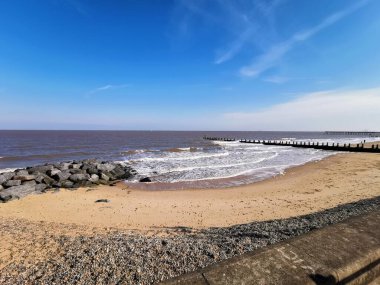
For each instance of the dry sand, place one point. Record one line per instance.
(305, 189)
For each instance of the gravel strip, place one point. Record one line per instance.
(120, 258)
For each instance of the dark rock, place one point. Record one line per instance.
(102, 201)
(4, 177)
(91, 170)
(79, 177)
(11, 183)
(120, 173)
(105, 167)
(75, 166)
(104, 177)
(26, 177)
(94, 178)
(64, 166)
(16, 192)
(77, 171)
(30, 183)
(41, 187)
(21, 172)
(63, 175)
(39, 169)
(66, 184)
(48, 181)
(52, 172)
(145, 179)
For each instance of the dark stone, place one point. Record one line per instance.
(24, 177)
(63, 175)
(76, 171)
(79, 177)
(48, 181)
(4, 177)
(11, 183)
(104, 177)
(65, 184)
(30, 183)
(105, 167)
(16, 192)
(21, 172)
(53, 172)
(39, 169)
(145, 179)
(41, 187)
(102, 201)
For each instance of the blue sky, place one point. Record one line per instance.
(190, 65)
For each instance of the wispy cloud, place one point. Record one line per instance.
(334, 109)
(276, 52)
(107, 87)
(276, 79)
(248, 26)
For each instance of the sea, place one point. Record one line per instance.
(172, 159)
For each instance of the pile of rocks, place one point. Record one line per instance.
(73, 174)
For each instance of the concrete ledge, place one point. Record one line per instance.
(344, 253)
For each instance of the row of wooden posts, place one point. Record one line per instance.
(316, 145)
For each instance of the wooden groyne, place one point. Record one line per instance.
(315, 145)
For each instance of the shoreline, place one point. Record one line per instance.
(305, 189)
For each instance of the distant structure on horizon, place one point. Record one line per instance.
(366, 133)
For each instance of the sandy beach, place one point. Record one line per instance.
(156, 235)
(316, 186)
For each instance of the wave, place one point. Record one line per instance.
(181, 158)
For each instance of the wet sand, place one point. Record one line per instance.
(313, 187)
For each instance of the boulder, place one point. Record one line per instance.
(1, 187)
(64, 166)
(21, 172)
(119, 172)
(40, 169)
(63, 175)
(24, 177)
(76, 171)
(145, 179)
(53, 172)
(105, 166)
(4, 177)
(91, 170)
(16, 192)
(41, 187)
(75, 166)
(104, 177)
(31, 183)
(79, 177)
(94, 178)
(11, 183)
(48, 181)
(66, 184)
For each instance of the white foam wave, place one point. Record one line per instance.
(192, 157)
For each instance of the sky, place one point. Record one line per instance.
(190, 65)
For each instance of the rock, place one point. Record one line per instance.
(11, 183)
(1, 187)
(120, 173)
(76, 171)
(48, 181)
(104, 177)
(145, 179)
(79, 177)
(102, 201)
(24, 177)
(53, 172)
(64, 166)
(105, 167)
(21, 172)
(4, 177)
(16, 192)
(31, 183)
(94, 178)
(75, 166)
(66, 184)
(41, 187)
(62, 175)
(91, 169)
(40, 169)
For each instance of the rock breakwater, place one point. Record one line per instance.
(72, 174)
